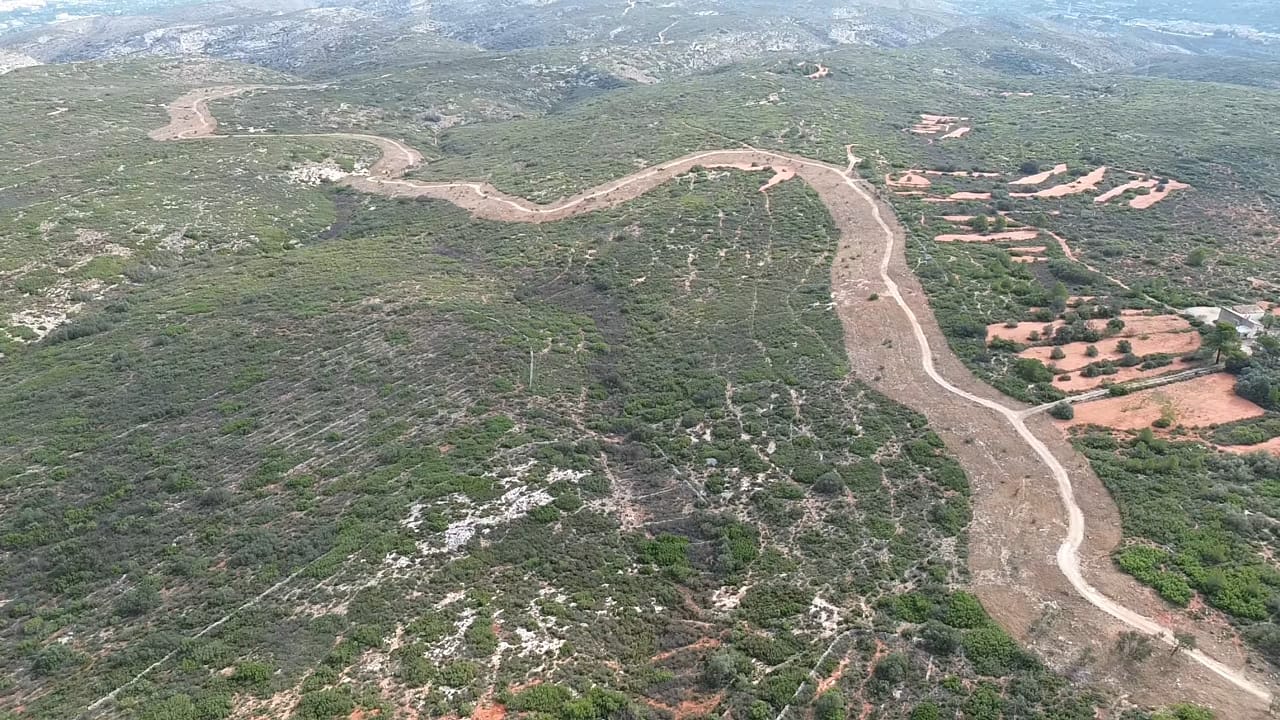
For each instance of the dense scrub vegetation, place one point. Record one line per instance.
(1200, 523)
(354, 419)
(1259, 374)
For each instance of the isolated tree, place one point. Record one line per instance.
(1091, 351)
(1059, 296)
(1183, 641)
(1134, 646)
(1124, 346)
(1222, 338)
(980, 223)
(1000, 223)
(1063, 411)
(721, 669)
(1057, 353)
(1030, 167)
(830, 706)
(1197, 257)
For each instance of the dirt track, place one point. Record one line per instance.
(1018, 524)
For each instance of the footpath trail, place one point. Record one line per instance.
(1018, 520)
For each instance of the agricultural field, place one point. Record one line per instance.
(277, 446)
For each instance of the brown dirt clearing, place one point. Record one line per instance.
(1271, 446)
(909, 179)
(1204, 401)
(960, 197)
(1142, 202)
(1084, 184)
(1008, 236)
(1041, 177)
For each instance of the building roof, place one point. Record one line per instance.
(1229, 315)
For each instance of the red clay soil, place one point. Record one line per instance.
(780, 176)
(706, 643)
(1028, 259)
(881, 651)
(962, 173)
(1028, 250)
(1079, 383)
(1084, 184)
(489, 711)
(1204, 401)
(1021, 333)
(521, 687)
(1116, 192)
(1040, 177)
(1142, 202)
(830, 681)
(1066, 249)
(1271, 446)
(957, 133)
(1137, 324)
(1173, 343)
(908, 179)
(823, 71)
(689, 708)
(699, 708)
(960, 196)
(1007, 236)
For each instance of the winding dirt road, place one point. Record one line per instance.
(1016, 522)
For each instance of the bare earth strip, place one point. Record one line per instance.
(1019, 534)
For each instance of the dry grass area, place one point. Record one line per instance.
(1204, 401)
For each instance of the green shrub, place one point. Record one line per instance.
(325, 704)
(993, 652)
(1184, 712)
(1063, 411)
(926, 711)
(1032, 370)
(966, 612)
